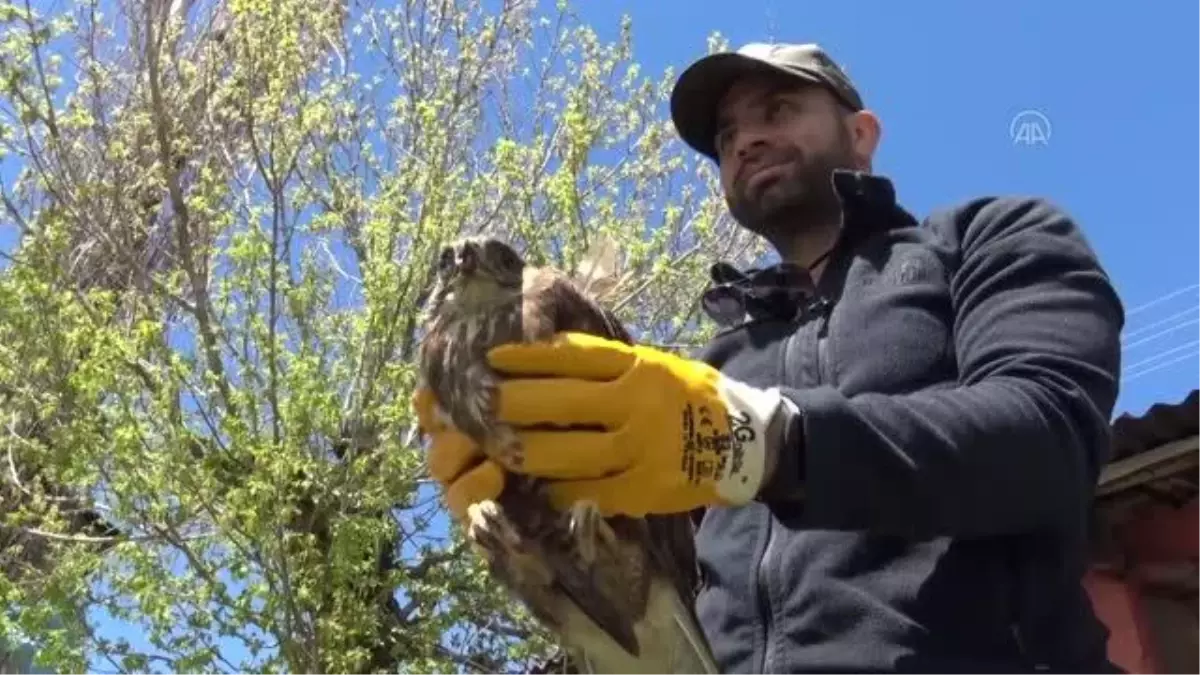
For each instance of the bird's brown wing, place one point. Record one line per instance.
(672, 536)
(563, 307)
(610, 588)
(649, 551)
(554, 304)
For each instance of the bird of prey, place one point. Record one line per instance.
(618, 591)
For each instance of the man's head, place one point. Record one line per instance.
(777, 119)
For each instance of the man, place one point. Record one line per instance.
(896, 435)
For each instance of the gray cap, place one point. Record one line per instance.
(700, 87)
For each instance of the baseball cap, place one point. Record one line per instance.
(701, 86)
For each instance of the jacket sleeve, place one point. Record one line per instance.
(1017, 444)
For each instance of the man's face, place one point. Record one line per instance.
(777, 146)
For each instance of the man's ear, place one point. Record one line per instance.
(865, 130)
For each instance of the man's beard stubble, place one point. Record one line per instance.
(802, 200)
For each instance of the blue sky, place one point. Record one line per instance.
(947, 78)
(1116, 84)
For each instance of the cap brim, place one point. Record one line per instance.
(699, 89)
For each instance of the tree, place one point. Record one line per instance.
(228, 214)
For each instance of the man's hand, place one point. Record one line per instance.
(665, 434)
(466, 476)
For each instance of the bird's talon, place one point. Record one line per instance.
(588, 529)
(494, 534)
(583, 531)
(490, 528)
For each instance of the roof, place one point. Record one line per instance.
(1152, 473)
(1161, 424)
(1155, 455)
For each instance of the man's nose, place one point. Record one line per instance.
(749, 143)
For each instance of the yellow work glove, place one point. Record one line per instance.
(455, 461)
(668, 434)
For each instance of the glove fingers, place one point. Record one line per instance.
(562, 402)
(423, 405)
(570, 454)
(450, 454)
(612, 495)
(482, 482)
(571, 355)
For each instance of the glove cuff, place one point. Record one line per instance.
(750, 413)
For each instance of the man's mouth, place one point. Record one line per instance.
(762, 175)
(765, 172)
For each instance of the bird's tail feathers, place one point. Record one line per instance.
(690, 651)
(669, 638)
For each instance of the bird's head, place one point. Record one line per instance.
(475, 273)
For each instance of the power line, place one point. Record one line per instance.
(1155, 362)
(1161, 333)
(1193, 309)
(1162, 365)
(1161, 354)
(1161, 299)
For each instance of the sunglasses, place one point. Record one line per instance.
(776, 292)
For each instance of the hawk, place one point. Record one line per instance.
(618, 591)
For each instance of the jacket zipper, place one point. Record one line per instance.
(818, 309)
(821, 308)
(766, 613)
(764, 596)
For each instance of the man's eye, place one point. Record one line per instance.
(722, 139)
(775, 108)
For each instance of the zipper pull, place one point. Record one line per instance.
(819, 306)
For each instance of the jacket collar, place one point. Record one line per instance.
(868, 203)
(781, 290)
